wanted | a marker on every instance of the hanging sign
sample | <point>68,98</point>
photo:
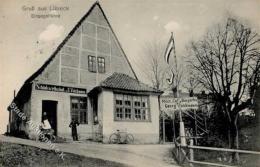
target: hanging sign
<point>169,103</point>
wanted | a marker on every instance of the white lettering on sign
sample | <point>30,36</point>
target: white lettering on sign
<point>57,88</point>
<point>169,103</point>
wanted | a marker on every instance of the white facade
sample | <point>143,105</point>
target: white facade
<point>143,132</point>
<point>88,56</point>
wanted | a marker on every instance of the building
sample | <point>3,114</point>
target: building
<point>89,78</point>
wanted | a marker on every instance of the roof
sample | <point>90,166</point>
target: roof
<point>124,82</point>
<point>47,62</point>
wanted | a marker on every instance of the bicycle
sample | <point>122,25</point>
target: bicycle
<point>47,135</point>
<point>121,138</point>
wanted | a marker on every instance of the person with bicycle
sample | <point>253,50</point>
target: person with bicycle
<point>46,126</point>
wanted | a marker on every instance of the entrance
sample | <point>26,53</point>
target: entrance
<point>168,126</point>
<point>50,107</point>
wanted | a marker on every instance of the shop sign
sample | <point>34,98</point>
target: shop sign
<point>57,88</point>
<point>169,103</point>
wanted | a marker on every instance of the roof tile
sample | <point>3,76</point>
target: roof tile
<point>125,82</point>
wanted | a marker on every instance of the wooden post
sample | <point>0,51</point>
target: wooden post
<point>182,134</point>
<point>196,126</point>
<point>163,127</point>
<point>191,152</point>
<point>163,115</point>
<point>173,126</point>
<point>182,130</point>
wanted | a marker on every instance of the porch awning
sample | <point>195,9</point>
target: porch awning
<point>123,82</point>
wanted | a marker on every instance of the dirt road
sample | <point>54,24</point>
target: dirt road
<point>134,155</point>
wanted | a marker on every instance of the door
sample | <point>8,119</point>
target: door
<point>95,109</point>
<point>50,107</point>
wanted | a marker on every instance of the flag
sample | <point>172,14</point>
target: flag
<point>169,49</point>
<point>170,80</point>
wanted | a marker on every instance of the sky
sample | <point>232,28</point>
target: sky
<point>27,42</point>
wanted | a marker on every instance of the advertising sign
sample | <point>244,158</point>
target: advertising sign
<point>57,88</point>
<point>169,103</point>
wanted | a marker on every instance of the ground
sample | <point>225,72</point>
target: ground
<point>131,155</point>
<point>27,156</point>
<point>246,160</point>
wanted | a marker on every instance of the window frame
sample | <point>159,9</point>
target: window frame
<point>101,61</point>
<point>78,111</point>
<point>126,97</point>
<point>92,67</point>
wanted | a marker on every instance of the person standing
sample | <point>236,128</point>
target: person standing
<point>46,126</point>
<point>73,125</point>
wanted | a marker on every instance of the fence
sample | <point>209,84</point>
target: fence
<point>182,155</point>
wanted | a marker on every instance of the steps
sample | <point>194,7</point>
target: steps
<point>195,120</point>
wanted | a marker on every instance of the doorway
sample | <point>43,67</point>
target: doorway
<point>50,107</point>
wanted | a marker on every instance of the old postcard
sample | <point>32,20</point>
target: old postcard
<point>129,83</point>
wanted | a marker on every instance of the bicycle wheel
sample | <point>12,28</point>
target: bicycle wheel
<point>53,138</point>
<point>129,138</point>
<point>113,139</point>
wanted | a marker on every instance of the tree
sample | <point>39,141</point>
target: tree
<point>157,71</point>
<point>191,83</point>
<point>227,63</point>
<point>153,64</point>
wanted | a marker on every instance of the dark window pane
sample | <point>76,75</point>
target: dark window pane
<point>127,113</point>
<point>83,117</point>
<point>119,113</point>
<point>128,103</point>
<point>92,63</point>
<point>137,103</point>
<point>79,109</point>
<point>137,114</point>
<point>144,114</point>
<point>83,105</point>
<point>101,64</point>
<point>119,102</point>
<point>74,105</point>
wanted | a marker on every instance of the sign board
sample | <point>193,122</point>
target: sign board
<point>169,103</point>
<point>57,88</point>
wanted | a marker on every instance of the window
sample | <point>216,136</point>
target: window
<point>119,108</point>
<point>127,107</point>
<point>128,114</point>
<point>79,109</point>
<point>92,63</point>
<point>130,107</point>
<point>138,114</point>
<point>101,65</point>
<point>119,113</point>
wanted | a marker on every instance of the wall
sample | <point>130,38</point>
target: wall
<point>69,67</point>
<point>63,113</point>
<point>16,123</point>
<point>93,37</point>
<point>27,113</point>
<point>143,132</point>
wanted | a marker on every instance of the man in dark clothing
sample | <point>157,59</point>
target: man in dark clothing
<point>73,125</point>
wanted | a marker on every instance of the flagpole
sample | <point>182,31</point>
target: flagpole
<point>182,128</point>
<point>170,47</point>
